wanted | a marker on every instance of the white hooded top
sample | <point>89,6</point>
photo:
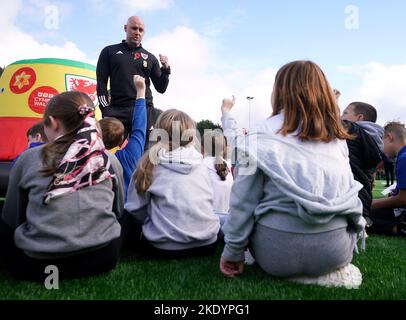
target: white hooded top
<point>177,209</point>
<point>288,185</point>
<point>222,189</point>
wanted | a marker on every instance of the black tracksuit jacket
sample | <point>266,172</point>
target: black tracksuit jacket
<point>120,63</point>
<point>365,156</point>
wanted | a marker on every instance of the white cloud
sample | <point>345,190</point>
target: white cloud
<point>192,88</point>
<point>218,25</point>
<point>10,10</point>
<point>355,70</point>
<point>199,79</point>
<point>383,86</point>
<point>260,88</point>
<point>144,5</point>
<point>17,44</point>
<point>197,85</point>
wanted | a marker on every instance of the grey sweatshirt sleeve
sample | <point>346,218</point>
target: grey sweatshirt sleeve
<point>230,128</point>
<point>118,185</point>
<point>245,195</point>
<point>15,206</point>
<point>137,203</point>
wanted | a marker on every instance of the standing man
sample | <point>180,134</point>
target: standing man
<point>120,62</point>
<point>389,167</point>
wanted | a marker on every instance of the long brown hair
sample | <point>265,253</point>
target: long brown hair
<point>178,130</point>
<point>63,107</point>
<point>302,91</point>
<point>215,145</point>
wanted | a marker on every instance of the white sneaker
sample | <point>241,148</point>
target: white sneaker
<point>349,277</point>
<point>249,259</point>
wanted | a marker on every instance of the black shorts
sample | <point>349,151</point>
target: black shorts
<point>125,115</point>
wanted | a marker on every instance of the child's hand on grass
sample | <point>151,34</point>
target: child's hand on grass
<point>231,268</point>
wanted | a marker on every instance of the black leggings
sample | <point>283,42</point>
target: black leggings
<point>389,173</point>
<point>148,249</point>
<point>22,267</point>
<point>384,221</point>
<point>133,240</point>
<point>125,115</point>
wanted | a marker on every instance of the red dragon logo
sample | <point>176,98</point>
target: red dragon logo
<point>83,84</point>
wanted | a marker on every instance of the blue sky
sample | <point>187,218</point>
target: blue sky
<point>238,45</point>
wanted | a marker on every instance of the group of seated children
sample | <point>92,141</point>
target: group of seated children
<point>295,201</point>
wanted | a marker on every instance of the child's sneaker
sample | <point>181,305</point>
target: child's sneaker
<point>249,259</point>
<point>401,228</point>
<point>349,277</point>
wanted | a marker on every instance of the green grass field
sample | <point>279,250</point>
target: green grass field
<point>383,266</point>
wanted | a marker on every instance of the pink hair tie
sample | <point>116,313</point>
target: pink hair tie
<point>84,109</point>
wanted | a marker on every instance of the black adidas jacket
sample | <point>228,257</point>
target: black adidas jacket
<point>120,63</point>
<point>365,156</point>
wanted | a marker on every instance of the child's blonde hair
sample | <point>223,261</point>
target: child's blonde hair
<point>397,128</point>
<point>173,129</point>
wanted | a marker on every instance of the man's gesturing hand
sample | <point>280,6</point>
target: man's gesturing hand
<point>164,61</point>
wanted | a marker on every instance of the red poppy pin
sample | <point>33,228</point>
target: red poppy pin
<point>137,55</point>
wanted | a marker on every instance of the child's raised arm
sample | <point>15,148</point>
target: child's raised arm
<point>139,83</point>
<point>229,124</point>
<point>227,105</point>
<point>131,154</point>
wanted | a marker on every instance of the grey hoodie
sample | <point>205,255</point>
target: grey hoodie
<point>76,222</point>
<point>177,209</point>
<point>374,130</point>
<point>289,185</point>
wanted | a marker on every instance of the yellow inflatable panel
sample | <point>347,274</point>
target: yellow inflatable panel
<point>26,86</point>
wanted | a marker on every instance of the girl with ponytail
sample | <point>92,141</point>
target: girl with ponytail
<point>64,198</point>
<point>214,149</point>
<point>171,194</point>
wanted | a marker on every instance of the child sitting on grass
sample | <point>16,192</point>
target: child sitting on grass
<point>389,214</point>
<point>294,201</point>
<point>63,199</point>
<point>171,193</point>
<point>365,147</point>
<point>214,149</point>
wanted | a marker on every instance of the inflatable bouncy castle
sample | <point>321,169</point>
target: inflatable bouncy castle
<point>25,88</point>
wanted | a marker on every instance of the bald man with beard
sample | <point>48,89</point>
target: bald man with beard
<point>120,62</point>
